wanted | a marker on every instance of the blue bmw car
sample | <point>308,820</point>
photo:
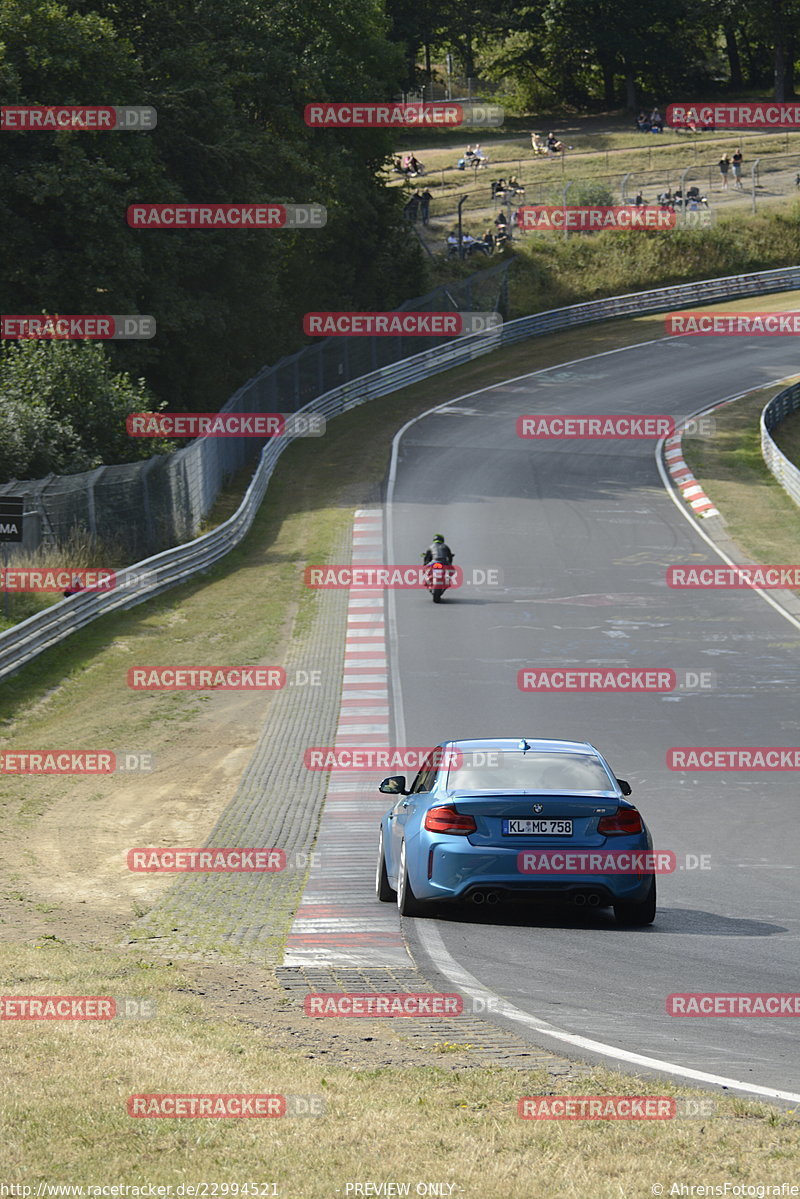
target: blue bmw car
<point>501,819</point>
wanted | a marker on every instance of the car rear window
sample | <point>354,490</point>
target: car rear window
<point>492,770</point>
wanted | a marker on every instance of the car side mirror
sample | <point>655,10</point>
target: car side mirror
<point>395,785</point>
<point>624,787</point>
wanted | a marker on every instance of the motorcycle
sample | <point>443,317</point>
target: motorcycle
<point>437,579</point>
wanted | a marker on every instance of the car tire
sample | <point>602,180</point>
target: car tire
<point>638,913</point>
<point>407,902</point>
<point>382,889</point>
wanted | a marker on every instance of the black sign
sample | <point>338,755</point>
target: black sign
<point>11,518</point>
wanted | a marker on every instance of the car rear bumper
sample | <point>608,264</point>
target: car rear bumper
<point>459,870</point>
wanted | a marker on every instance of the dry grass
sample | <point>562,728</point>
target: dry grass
<point>63,1103</point>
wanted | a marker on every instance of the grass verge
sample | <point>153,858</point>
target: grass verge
<point>761,517</point>
<point>63,1113</point>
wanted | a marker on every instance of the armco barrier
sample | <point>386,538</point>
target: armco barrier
<point>156,574</point>
<point>779,407</point>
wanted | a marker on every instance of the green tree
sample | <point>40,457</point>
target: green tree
<point>63,410</point>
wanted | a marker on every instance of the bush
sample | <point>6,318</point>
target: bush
<point>63,409</point>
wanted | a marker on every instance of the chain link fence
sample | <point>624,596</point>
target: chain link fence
<point>141,508</point>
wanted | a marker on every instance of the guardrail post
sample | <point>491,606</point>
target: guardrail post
<point>684,208</point>
<point>753,173</point>
<point>566,192</point>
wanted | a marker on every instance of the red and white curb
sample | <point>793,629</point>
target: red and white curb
<point>683,478</point>
<point>339,921</point>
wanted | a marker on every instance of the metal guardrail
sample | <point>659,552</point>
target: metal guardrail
<point>779,407</point>
<point>154,575</point>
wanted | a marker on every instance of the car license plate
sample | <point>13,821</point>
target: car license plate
<point>537,828</point>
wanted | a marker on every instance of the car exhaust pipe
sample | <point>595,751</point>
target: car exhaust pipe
<point>478,897</point>
<point>492,897</point>
<point>579,899</point>
<point>593,900</point>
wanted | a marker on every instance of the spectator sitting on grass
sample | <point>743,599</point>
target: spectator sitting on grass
<point>656,122</point>
<point>554,146</point>
<point>536,144</point>
<point>642,123</point>
<point>514,187</point>
<point>479,159</point>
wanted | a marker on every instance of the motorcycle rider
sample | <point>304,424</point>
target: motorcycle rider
<point>438,551</point>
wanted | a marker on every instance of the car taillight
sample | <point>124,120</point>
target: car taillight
<point>626,820</point>
<point>448,820</point>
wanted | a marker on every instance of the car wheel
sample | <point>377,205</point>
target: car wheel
<point>382,889</point>
<point>407,902</point>
<point>639,913</point>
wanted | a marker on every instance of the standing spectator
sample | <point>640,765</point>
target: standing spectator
<point>736,163</point>
<point>425,206</point>
<point>724,167</point>
<point>412,207</point>
<point>639,201</point>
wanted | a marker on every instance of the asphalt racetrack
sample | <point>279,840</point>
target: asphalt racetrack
<point>582,532</point>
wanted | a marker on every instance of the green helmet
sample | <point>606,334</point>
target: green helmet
<point>438,537</point>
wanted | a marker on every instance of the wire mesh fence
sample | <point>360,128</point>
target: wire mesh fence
<point>144,507</point>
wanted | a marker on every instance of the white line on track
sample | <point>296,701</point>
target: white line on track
<point>428,934</point>
<point>434,946</point>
